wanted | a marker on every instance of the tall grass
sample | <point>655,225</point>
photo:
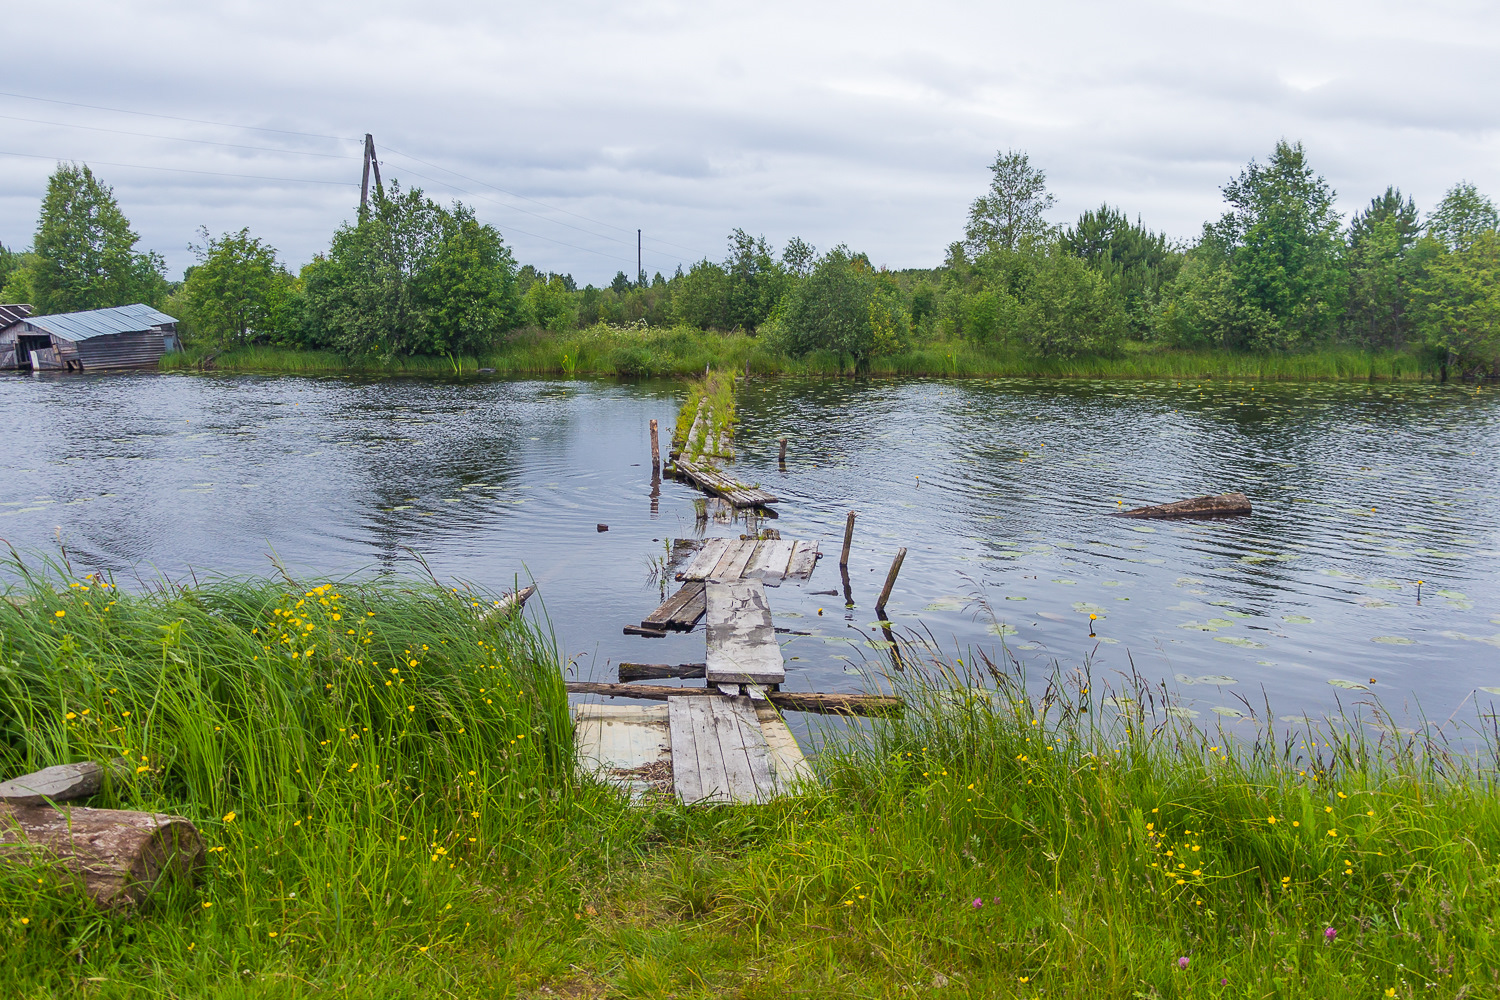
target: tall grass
<point>678,351</point>
<point>393,811</point>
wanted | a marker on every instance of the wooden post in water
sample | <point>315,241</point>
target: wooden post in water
<point>848,538</point>
<point>782,458</point>
<point>655,447</point>
<point>890,581</point>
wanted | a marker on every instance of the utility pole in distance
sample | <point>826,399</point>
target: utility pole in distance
<point>364,184</point>
<point>640,272</point>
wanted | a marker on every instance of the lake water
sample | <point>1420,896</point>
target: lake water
<point>998,488</point>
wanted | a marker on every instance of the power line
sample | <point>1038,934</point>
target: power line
<point>183,170</point>
<point>176,138</point>
<point>178,118</point>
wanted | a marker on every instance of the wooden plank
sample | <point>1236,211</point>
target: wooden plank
<point>741,641</point>
<point>705,560</point>
<point>658,619</point>
<point>735,568</point>
<point>804,561</point>
<point>789,768</point>
<point>688,616</point>
<point>770,561</point>
<point>686,779</point>
<point>746,780</point>
<point>716,572</point>
<point>787,701</point>
<point>649,633</point>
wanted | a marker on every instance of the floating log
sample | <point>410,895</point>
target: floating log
<point>1223,505</point>
<point>848,538</point>
<point>660,671</point>
<point>823,704</point>
<point>121,857</point>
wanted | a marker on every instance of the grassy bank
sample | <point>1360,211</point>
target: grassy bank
<point>634,352</point>
<point>385,782</point>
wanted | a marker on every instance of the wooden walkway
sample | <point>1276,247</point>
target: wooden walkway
<point>742,646</point>
<point>717,484</point>
<point>636,747</point>
<point>725,560</point>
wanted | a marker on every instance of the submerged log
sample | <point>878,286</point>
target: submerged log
<point>120,857</point>
<point>658,671</point>
<point>1223,505</point>
<point>823,704</point>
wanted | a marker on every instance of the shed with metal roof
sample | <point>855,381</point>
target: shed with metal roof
<point>134,336</point>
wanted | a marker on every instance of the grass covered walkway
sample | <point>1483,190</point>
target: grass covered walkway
<point>384,778</point>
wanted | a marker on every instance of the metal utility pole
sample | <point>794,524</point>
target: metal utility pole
<point>364,184</point>
<point>640,272</point>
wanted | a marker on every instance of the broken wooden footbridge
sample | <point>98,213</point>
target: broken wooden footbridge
<point>721,739</point>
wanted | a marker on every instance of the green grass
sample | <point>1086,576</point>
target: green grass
<point>678,351</point>
<point>1067,826</point>
<point>712,395</point>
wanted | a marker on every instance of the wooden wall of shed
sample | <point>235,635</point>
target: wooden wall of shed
<point>120,350</point>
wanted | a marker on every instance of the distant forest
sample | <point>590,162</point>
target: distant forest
<point>1279,271</point>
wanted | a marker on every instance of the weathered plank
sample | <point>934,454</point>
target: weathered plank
<point>687,781</point>
<point>649,633</point>
<point>712,482</point>
<point>626,745</point>
<point>742,750</point>
<point>804,560</point>
<point>793,701</point>
<point>721,569</point>
<point>688,615</point>
<point>770,561</point>
<point>705,560</point>
<point>659,671</point>
<point>734,569</point>
<point>741,641</point>
<point>663,615</point>
<point>1223,505</point>
<point>789,768</point>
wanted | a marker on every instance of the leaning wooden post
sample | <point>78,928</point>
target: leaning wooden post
<point>782,458</point>
<point>655,447</point>
<point>890,581</point>
<point>848,538</point>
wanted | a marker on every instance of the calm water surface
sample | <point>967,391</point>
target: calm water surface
<point>998,488</point>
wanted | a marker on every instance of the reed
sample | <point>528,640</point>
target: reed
<point>394,811</point>
<point>679,351</point>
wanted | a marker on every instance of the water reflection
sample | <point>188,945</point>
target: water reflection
<point>997,488</point>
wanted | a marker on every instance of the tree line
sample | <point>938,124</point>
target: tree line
<point>1279,271</point>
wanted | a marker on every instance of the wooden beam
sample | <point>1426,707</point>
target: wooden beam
<point>822,704</point>
<point>659,671</point>
<point>742,646</point>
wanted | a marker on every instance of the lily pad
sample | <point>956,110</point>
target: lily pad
<point>1121,703</point>
<point>1241,641</point>
<point>1373,602</point>
<point>1303,720</point>
<point>1182,713</point>
<point>1227,712</point>
<point>947,604</point>
<point>1013,597</point>
<point>854,671</point>
<point>1086,608</point>
<point>1348,685</point>
<point>1393,640</point>
<point>1001,629</point>
<point>1066,583</point>
<point>1297,619</point>
<point>1218,679</point>
<point>880,644</point>
<point>1199,627</point>
<point>1489,690</point>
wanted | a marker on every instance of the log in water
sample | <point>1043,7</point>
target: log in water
<point>1223,505</point>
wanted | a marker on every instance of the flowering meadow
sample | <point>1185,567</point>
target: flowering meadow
<point>383,774</point>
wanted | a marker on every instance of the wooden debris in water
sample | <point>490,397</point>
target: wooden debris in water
<point>660,671</point>
<point>1223,505</point>
<point>678,613</point>
<point>770,560</point>
<point>710,481</point>
<point>818,703</point>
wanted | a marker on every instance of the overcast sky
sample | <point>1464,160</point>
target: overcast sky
<point>569,125</point>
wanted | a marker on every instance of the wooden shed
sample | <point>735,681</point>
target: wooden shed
<point>9,316</point>
<point>134,336</point>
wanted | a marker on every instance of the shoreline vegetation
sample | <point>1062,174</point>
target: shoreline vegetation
<point>647,352</point>
<point>385,779</point>
<point>1281,285</point>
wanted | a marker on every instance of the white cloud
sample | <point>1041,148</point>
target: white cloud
<point>870,124</point>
